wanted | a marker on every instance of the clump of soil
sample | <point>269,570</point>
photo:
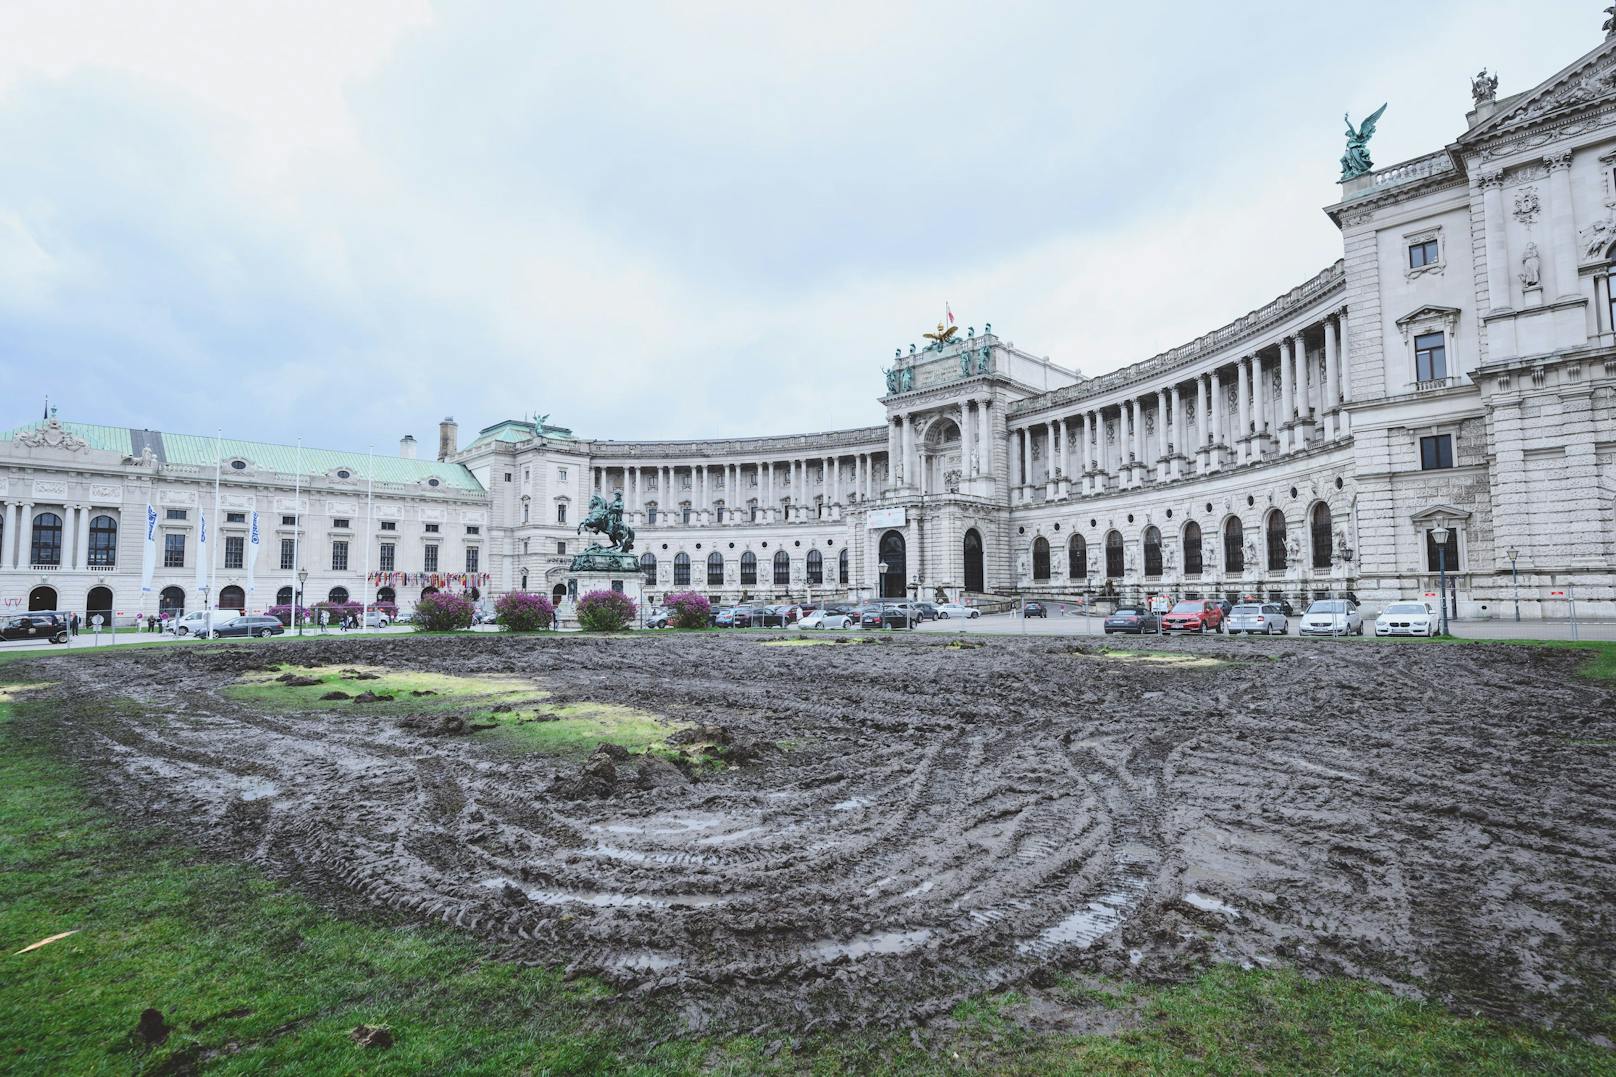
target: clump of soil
<point>359,675</point>
<point>297,680</point>
<point>372,697</point>
<point>945,822</point>
<point>152,1028</point>
<point>371,1036</point>
<point>335,694</point>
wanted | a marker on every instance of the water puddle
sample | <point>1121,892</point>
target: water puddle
<point>1211,904</point>
<point>258,790</point>
<point>871,944</point>
<point>604,899</point>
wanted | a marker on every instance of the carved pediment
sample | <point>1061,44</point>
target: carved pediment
<point>1589,80</point>
<point>51,436</point>
<point>1440,512</point>
<point>1429,314</point>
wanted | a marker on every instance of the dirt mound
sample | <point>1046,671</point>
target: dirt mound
<point>918,823</point>
<point>442,725</point>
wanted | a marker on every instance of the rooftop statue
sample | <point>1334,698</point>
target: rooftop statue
<point>1355,162</point>
<point>1484,87</point>
<point>1610,22</point>
<point>892,381</point>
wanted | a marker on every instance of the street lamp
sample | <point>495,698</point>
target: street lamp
<point>1439,535</point>
<point>881,580</point>
<point>297,603</point>
<point>1512,553</point>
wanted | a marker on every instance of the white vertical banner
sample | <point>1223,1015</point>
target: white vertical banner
<point>252,552</point>
<point>148,552</point>
<point>201,550</point>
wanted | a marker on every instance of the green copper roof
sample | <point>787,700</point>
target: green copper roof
<point>197,450</point>
<point>516,430</point>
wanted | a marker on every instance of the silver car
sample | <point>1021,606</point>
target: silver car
<point>1332,617</point>
<point>1264,618</point>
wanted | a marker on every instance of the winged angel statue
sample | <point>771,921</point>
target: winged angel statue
<point>1356,162</point>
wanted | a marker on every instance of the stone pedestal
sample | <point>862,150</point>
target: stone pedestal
<point>601,569</point>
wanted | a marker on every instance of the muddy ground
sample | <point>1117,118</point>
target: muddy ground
<point>920,823</point>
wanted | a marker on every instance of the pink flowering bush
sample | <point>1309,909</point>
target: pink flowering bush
<point>606,611</point>
<point>689,610</point>
<point>442,612</point>
<point>524,611</point>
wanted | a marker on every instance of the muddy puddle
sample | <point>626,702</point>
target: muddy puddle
<point>914,823</point>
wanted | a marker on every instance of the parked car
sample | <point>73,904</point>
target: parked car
<point>377,619</point>
<point>257,625</point>
<point>656,617</point>
<point>32,627</point>
<point>1265,618</point>
<point>780,616</point>
<point>887,615</point>
<point>725,617</point>
<point>825,619</point>
<point>926,611</point>
<point>1133,619</point>
<point>1035,609</point>
<point>191,623</point>
<point>1194,615</point>
<point>1332,617</point>
<point>954,609</point>
<point>1407,619</point>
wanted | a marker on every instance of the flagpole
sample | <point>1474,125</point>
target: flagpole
<point>370,505</point>
<point>213,542</point>
<point>297,531</point>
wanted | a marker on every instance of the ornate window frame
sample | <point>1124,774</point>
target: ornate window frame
<point>1425,235</point>
<point>1430,319</point>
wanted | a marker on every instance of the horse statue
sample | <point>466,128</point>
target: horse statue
<point>606,518</point>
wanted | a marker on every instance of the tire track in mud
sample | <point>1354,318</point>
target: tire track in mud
<point>946,820</point>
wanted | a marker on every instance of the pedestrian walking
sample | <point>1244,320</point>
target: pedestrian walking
<point>73,624</point>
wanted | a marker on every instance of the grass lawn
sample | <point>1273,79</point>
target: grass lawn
<point>252,978</point>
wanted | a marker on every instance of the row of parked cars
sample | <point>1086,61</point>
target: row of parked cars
<point>1323,617</point>
<point>895,613</point>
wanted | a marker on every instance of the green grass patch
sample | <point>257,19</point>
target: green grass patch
<point>1164,658</point>
<point>576,728</point>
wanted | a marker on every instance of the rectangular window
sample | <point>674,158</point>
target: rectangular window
<point>561,513</point>
<point>474,529</point>
<point>389,525</point>
<point>561,474</point>
<point>507,476</point>
<point>288,554</point>
<point>650,514</point>
<point>561,547</point>
<point>429,559</point>
<point>235,517</point>
<point>339,523</point>
<point>471,558</point>
<point>339,557</point>
<point>173,551</point>
<point>684,514</point>
<point>235,548</point>
<point>288,521</point>
<point>1436,452</point>
<point>720,514</point>
<point>1430,357</point>
<point>387,557</point>
<point>175,514</point>
<point>432,529</point>
<point>1439,557</point>
<point>1422,254</point>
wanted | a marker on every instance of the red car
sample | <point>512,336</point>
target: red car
<point>1194,615</point>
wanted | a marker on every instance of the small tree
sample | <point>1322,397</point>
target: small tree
<point>606,611</point>
<point>524,611</point>
<point>690,610</point>
<point>441,612</point>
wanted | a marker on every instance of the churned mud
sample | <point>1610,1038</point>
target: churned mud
<point>873,832</point>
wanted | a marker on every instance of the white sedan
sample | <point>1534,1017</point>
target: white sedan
<point>1332,617</point>
<point>954,609</point>
<point>825,619</point>
<point>1406,619</point>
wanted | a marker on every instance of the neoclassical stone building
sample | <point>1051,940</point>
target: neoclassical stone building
<point>1455,372</point>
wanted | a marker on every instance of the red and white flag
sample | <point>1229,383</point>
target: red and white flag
<point>949,311</point>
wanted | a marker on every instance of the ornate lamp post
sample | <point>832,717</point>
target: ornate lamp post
<point>881,580</point>
<point>1439,535</point>
<point>1512,553</point>
<point>297,602</point>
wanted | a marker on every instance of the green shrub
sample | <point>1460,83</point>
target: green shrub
<point>606,611</point>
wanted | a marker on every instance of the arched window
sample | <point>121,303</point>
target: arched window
<point>1113,555</point>
<point>233,598</point>
<point>715,569</point>
<point>648,568</point>
<point>749,569</point>
<point>1275,530</point>
<point>816,567</point>
<point>841,567</point>
<point>782,568</point>
<point>1322,527</point>
<point>389,596</point>
<point>337,595</point>
<point>1192,549</point>
<point>47,544</point>
<point>171,600</point>
<point>681,570</point>
<point>283,597</point>
<point>974,570</point>
<point>1040,558</point>
<point>1234,548</point>
<point>1153,557</point>
<point>103,542</point>
<point>1077,558</point>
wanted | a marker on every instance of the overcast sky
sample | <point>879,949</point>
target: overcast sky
<point>346,220</point>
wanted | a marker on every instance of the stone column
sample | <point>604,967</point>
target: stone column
<point>1160,452</point>
<point>81,559</point>
<point>1049,452</point>
<point>25,534</point>
<point>1260,402</point>
<point>984,423</point>
<point>1203,427</point>
<point>1304,383</point>
<point>1242,387</point>
<point>8,537</point>
<point>1332,381</point>
<point>911,452</point>
<point>1287,399</point>
<point>70,535</point>
<point>1562,225</point>
<point>1177,468</point>
<point>1220,422</point>
<point>1499,289</point>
